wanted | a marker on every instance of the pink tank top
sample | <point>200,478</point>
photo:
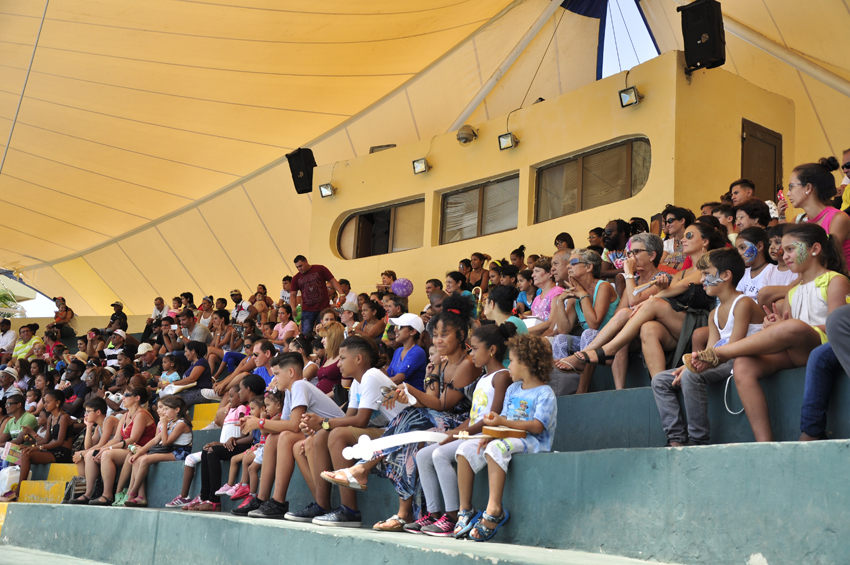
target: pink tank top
<point>826,217</point>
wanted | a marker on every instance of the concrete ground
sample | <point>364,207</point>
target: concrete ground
<point>17,556</point>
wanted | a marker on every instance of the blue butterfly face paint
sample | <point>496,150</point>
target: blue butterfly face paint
<point>750,251</point>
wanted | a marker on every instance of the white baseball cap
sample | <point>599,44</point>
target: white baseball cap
<point>409,320</point>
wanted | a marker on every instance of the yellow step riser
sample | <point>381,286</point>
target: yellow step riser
<point>3,507</point>
<point>61,472</point>
<point>204,412</point>
<point>42,492</point>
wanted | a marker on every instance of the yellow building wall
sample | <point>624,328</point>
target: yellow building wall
<point>689,166</point>
<point>709,110</point>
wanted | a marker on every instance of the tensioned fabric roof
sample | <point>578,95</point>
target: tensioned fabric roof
<point>125,173</point>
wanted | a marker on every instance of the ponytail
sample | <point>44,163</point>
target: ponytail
<point>498,335</point>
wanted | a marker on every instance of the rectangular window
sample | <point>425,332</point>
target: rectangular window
<point>481,210</point>
<point>381,231</point>
<point>592,179</point>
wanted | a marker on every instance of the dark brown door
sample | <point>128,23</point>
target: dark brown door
<point>761,159</point>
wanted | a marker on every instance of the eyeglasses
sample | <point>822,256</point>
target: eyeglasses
<point>577,262</point>
<point>255,355</point>
<point>633,252</point>
<point>609,232</point>
<point>669,220</point>
<point>128,394</point>
<point>846,165</point>
<point>689,235</point>
<point>793,184</point>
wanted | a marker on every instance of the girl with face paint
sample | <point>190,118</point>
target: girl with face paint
<point>792,328</point>
<point>753,245</point>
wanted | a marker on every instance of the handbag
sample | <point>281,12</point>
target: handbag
<point>174,389</point>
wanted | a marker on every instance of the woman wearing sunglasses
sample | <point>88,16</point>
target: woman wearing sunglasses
<point>587,301</point>
<point>659,322</point>
<point>676,221</point>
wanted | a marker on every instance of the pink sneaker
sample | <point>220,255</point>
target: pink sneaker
<point>241,491</point>
<point>223,490</point>
<point>248,500</point>
<point>178,502</point>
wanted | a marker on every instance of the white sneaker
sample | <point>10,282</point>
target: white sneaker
<point>210,394</point>
<point>211,426</point>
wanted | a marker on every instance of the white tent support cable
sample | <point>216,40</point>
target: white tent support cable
<point>24,87</point>
<point>802,64</point>
<point>494,79</point>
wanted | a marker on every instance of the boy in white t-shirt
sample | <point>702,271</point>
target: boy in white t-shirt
<point>366,415</point>
<point>278,458</point>
<point>284,293</point>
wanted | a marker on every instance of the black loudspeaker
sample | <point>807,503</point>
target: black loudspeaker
<point>301,165</point>
<point>705,39</point>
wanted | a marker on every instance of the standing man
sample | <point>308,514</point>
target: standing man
<point>159,312</point>
<point>310,282</point>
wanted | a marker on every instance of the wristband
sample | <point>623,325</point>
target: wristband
<point>262,423</point>
<point>632,277</point>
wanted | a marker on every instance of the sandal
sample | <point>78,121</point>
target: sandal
<point>206,506</point>
<point>399,527</point>
<point>101,501</point>
<point>560,363</point>
<point>485,533</point>
<point>466,519</point>
<point>348,482</point>
<point>192,503</point>
<point>707,356</point>
<point>80,500</point>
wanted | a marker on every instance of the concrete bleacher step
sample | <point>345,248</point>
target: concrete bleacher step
<point>169,537</point>
<point>42,492</point>
<point>743,503</point>
<point>22,556</point>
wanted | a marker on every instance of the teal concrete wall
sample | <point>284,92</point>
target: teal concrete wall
<point>697,505</point>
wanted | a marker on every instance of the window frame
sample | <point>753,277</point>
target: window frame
<point>579,158</point>
<point>479,187</point>
<point>354,217</point>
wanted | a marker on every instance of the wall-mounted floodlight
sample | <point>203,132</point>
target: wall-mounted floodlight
<point>420,166</point>
<point>327,190</point>
<point>507,141</point>
<point>630,96</point>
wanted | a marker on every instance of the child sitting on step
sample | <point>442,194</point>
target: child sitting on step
<point>252,460</point>
<point>529,406</point>
<point>737,317</point>
<point>173,442</point>
<point>233,410</point>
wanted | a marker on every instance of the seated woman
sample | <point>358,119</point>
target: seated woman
<point>456,282</point>
<point>588,302</point>
<point>373,325</point>
<point>791,330</point>
<point>136,427</point>
<point>222,335</point>
<point>55,447</point>
<point>198,373</point>
<point>542,277</point>
<point>285,327</point>
<point>409,359</point>
<point>812,188</point>
<point>660,321</point>
<point>328,374</point>
<point>205,312</point>
<point>387,280</point>
<point>95,344</point>
<point>444,405</point>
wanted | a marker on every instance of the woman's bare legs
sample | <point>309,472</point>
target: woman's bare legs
<point>748,371</point>
<point>655,339</point>
<point>109,461</point>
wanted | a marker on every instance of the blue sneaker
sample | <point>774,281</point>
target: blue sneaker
<point>313,510</point>
<point>340,517</point>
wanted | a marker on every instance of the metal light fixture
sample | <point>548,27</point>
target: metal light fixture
<point>420,166</point>
<point>630,96</point>
<point>327,190</point>
<point>507,141</point>
<point>466,135</point>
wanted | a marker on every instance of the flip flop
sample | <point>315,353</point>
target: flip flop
<point>399,527</point>
<point>349,482</point>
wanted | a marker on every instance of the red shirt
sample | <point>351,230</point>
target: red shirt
<point>314,291</point>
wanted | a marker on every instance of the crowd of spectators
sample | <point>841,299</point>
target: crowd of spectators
<point>736,290</point>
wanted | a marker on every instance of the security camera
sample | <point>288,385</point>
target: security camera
<point>466,134</point>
